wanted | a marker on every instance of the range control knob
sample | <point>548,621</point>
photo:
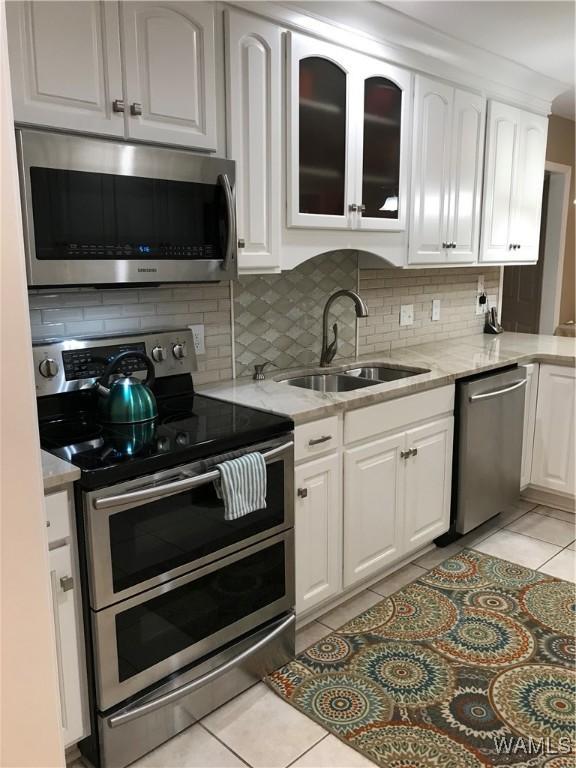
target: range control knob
<point>179,350</point>
<point>48,368</point>
<point>158,354</point>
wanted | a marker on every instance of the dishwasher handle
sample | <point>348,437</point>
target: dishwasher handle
<point>498,392</point>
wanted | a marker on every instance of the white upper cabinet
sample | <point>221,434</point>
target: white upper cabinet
<point>382,94</point>
<point>347,120</point>
<point>170,72</point>
<point>513,184</point>
<point>447,142</point>
<point>254,109</point>
<point>65,65</point>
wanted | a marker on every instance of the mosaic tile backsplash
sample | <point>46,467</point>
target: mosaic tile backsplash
<point>278,317</point>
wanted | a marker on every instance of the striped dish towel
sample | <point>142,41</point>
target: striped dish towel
<point>242,485</point>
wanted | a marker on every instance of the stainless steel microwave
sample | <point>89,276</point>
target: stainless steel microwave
<point>101,212</point>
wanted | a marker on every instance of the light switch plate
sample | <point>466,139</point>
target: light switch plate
<point>435,309</point>
<point>198,335</point>
<point>406,314</point>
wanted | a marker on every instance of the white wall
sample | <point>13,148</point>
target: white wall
<point>30,732</point>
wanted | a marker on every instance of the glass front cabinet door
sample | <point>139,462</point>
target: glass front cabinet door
<point>348,119</point>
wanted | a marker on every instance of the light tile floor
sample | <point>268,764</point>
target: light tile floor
<point>260,730</point>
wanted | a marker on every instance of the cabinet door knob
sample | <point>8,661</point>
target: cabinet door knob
<point>353,207</point>
<point>444,245</point>
<point>241,243</point>
<point>135,108</point>
<point>362,208</point>
<point>452,245</point>
<point>67,583</point>
<point>118,105</point>
<point>404,454</point>
<point>302,492</point>
<point>414,451</point>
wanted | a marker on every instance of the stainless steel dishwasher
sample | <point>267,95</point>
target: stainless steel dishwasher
<point>488,448</point>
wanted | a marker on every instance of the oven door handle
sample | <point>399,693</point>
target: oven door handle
<point>132,713</point>
<point>169,489</point>
<point>231,240</point>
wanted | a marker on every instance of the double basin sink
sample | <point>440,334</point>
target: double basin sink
<point>353,378</point>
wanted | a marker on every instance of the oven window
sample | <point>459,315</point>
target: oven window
<point>80,215</point>
<point>170,623</point>
<point>156,537</point>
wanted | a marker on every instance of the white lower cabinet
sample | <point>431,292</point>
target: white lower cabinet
<point>427,483</point>
<point>531,394</point>
<point>372,507</point>
<point>554,459</point>
<point>318,526</point>
<point>67,610</point>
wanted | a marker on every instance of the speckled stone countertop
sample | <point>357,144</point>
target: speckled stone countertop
<point>57,472</point>
<point>446,361</point>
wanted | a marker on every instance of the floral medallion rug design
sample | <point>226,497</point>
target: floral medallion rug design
<point>472,665</point>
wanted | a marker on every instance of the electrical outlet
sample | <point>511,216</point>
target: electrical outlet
<point>481,309</point>
<point>406,314</point>
<point>435,309</point>
<point>198,336</point>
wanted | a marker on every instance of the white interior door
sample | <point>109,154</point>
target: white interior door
<point>373,505</point>
<point>321,144</point>
<point>430,171</point>
<point>254,92</point>
<point>427,483</point>
<point>467,156</point>
<point>65,65</point>
<point>382,117</point>
<point>318,531</point>
<point>527,212</point>
<point>170,72</point>
<point>554,460</point>
<point>500,172</point>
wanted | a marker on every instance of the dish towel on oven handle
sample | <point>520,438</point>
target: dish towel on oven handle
<point>242,485</point>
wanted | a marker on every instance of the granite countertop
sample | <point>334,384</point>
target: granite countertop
<point>446,361</point>
<point>57,472</point>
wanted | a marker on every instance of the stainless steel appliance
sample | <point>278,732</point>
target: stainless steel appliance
<point>183,608</point>
<point>103,212</point>
<point>488,449</point>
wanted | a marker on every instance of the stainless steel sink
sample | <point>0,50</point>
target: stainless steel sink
<point>377,373</point>
<point>330,382</point>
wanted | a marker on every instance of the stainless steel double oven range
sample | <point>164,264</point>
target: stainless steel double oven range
<point>183,608</point>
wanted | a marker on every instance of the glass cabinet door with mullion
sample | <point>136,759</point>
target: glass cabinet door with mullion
<point>384,105</point>
<point>319,172</point>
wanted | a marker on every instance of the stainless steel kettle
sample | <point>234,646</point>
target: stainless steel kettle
<point>127,400</point>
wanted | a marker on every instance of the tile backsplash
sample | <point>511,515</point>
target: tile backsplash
<point>385,290</point>
<point>277,317</point>
<point>93,311</point>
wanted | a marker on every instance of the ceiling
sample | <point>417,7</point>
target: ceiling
<point>537,34</point>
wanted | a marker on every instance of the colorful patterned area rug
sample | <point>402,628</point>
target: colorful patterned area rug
<point>472,665</point>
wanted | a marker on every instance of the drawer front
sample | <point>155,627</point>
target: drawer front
<point>57,516</point>
<point>316,437</point>
<point>394,414</point>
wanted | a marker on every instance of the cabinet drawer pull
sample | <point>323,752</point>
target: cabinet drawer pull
<point>66,583</point>
<point>302,492</point>
<point>414,451</point>
<point>118,105</point>
<point>318,440</point>
<point>136,109</point>
<point>47,523</point>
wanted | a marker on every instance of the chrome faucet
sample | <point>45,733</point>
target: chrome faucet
<point>329,350</point>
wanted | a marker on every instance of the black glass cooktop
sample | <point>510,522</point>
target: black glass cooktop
<point>188,427</point>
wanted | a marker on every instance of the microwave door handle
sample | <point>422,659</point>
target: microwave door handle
<point>131,713</point>
<point>169,489</point>
<point>224,182</point>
